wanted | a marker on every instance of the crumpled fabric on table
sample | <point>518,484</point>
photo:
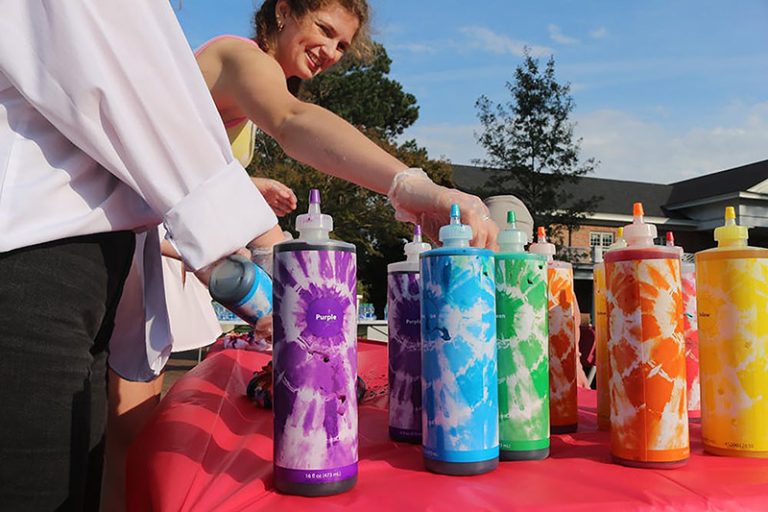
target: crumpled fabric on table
<point>245,341</point>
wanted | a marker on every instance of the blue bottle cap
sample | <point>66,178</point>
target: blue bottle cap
<point>455,234</point>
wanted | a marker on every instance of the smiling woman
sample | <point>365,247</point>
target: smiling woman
<point>328,17</point>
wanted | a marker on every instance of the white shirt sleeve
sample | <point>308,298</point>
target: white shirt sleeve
<point>118,79</point>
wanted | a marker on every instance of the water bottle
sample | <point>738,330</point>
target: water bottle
<point>242,287</point>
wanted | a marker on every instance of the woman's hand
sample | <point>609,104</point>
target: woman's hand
<point>278,196</point>
<point>417,199</point>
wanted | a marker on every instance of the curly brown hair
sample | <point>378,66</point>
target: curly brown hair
<point>265,23</point>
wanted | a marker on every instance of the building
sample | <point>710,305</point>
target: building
<point>691,209</point>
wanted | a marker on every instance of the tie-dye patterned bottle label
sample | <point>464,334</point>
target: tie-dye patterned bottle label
<point>459,376</point>
<point>404,324</point>
<point>315,364</point>
<point>601,347</point>
<point>732,288</point>
<point>649,419</point>
<point>522,331</point>
<point>691,333</point>
<point>562,349</point>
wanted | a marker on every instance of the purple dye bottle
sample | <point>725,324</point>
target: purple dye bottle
<point>404,346</point>
<point>315,359</point>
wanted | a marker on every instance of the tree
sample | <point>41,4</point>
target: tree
<point>529,141</point>
<point>362,94</point>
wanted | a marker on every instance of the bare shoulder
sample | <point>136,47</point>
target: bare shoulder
<point>242,58</point>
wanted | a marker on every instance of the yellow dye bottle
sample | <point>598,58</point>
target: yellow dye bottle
<point>732,301</point>
<point>601,337</point>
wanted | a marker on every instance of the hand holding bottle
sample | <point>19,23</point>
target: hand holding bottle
<point>417,199</point>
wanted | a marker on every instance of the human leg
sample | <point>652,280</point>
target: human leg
<point>131,404</point>
<point>57,303</point>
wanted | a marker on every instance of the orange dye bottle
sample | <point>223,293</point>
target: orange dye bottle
<point>649,423</point>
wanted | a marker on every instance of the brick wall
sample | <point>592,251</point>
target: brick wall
<point>580,237</point>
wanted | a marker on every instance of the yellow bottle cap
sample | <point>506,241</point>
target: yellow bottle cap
<point>731,233</point>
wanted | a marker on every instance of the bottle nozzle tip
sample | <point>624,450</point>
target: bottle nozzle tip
<point>637,210</point>
<point>730,213</point>
<point>314,196</point>
<point>541,233</point>
<point>511,217</point>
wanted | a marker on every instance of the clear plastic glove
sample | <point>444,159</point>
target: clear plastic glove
<point>204,274</point>
<point>417,199</point>
<point>263,256</point>
<point>279,197</point>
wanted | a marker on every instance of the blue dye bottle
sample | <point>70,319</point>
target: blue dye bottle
<point>242,287</point>
<point>458,357</point>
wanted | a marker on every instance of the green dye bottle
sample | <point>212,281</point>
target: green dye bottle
<point>522,328</point>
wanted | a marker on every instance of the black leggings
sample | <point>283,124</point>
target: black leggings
<point>57,308</point>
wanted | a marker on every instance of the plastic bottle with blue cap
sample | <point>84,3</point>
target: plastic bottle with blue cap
<point>732,298</point>
<point>649,420</point>
<point>242,287</point>
<point>459,374</point>
<point>522,332</point>
<point>404,346</point>
<point>315,359</point>
<point>563,352</point>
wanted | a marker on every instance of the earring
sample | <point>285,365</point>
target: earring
<point>280,25</point>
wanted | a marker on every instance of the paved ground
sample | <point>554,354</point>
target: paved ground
<point>178,365</point>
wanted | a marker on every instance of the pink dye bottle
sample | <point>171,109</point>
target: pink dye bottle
<point>690,331</point>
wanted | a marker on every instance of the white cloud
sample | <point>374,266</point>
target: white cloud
<point>413,47</point>
<point>630,148</point>
<point>556,34</point>
<point>637,150</point>
<point>486,39</point>
<point>455,142</point>
<point>598,33</point>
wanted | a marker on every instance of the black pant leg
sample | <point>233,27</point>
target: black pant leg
<point>57,303</point>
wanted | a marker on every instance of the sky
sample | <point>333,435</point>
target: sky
<point>664,90</point>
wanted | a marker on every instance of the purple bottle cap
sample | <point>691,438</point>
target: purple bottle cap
<point>417,230</point>
<point>314,196</point>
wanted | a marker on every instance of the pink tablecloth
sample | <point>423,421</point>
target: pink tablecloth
<point>209,449</point>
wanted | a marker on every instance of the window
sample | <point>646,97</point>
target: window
<point>600,238</point>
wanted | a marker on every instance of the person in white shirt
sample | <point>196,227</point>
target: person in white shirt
<point>106,129</point>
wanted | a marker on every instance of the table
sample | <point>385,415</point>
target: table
<point>209,449</point>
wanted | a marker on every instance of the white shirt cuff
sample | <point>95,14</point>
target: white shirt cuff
<point>218,217</point>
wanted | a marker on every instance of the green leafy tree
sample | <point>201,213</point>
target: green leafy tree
<point>362,94</point>
<point>529,142</point>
